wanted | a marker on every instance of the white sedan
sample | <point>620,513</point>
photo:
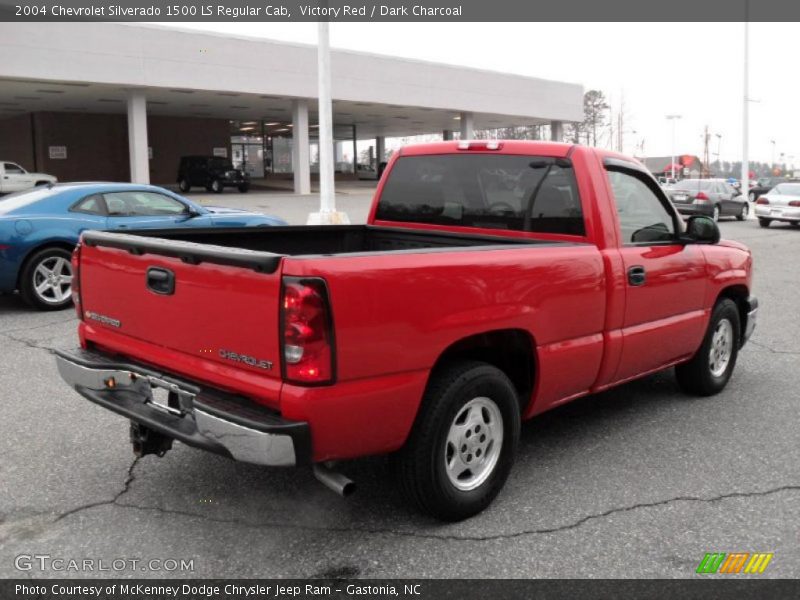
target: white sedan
<point>14,178</point>
<point>782,203</point>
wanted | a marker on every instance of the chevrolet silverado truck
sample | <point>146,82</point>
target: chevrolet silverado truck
<point>493,281</point>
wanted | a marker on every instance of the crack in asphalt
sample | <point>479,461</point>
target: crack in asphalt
<point>126,486</point>
<point>29,343</point>
<point>772,350</point>
<point>460,538</point>
<point>50,324</point>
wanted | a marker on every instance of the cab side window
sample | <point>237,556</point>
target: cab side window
<point>92,205</point>
<point>643,218</point>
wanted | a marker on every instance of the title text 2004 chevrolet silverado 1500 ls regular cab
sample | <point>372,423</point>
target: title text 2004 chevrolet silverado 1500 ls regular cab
<point>493,281</point>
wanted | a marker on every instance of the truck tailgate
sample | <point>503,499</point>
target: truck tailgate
<point>217,305</point>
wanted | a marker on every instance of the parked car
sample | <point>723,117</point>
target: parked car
<point>781,203</point>
<point>764,185</point>
<point>493,281</point>
<point>713,198</point>
<point>14,178</point>
<point>212,173</point>
<point>40,227</point>
<point>667,181</point>
<point>366,172</point>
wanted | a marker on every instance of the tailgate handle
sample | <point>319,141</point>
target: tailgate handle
<point>160,281</point>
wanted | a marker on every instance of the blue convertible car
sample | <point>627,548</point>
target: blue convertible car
<point>40,227</point>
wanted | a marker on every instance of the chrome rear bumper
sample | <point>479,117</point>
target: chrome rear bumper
<point>205,418</point>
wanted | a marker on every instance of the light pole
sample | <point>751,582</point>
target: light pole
<point>745,104</point>
<point>327,214</point>
<point>719,148</point>
<point>772,163</point>
<point>673,118</point>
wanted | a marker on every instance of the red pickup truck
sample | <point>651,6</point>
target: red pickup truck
<point>493,281</point>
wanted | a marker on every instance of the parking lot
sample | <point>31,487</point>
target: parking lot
<point>640,481</point>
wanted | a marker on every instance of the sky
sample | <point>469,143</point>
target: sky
<point>691,69</point>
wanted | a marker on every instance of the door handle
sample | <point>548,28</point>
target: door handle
<point>637,275</point>
<point>161,281</point>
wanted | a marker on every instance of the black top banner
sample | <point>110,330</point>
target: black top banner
<point>400,11</point>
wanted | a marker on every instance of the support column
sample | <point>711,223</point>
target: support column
<point>447,135</point>
<point>137,137</point>
<point>301,153</point>
<point>355,152</point>
<point>556,131</point>
<point>467,125</point>
<point>380,151</point>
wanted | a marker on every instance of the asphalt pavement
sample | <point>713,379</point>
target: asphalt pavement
<point>640,481</point>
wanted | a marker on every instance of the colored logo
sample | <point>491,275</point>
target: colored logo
<point>734,562</point>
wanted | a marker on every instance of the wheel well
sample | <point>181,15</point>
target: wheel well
<point>510,350</point>
<point>739,294</point>
<point>63,245</point>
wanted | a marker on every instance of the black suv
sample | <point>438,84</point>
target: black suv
<point>211,172</point>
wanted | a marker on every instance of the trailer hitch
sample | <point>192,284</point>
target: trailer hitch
<point>147,441</point>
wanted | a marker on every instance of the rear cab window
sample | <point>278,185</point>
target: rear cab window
<point>535,194</point>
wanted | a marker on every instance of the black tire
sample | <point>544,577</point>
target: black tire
<point>743,213</point>
<point>794,223</point>
<point>217,187</point>
<point>764,222</point>
<point>244,188</point>
<point>184,185</point>
<point>421,467</point>
<point>29,278</point>
<point>717,212</point>
<point>696,377</point>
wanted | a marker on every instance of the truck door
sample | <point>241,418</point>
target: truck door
<point>665,279</point>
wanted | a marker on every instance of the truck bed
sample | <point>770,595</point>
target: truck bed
<point>325,240</point>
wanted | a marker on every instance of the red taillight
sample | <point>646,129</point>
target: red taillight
<point>701,196</point>
<point>762,201</point>
<point>487,145</point>
<point>794,203</point>
<point>307,331</point>
<point>76,281</point>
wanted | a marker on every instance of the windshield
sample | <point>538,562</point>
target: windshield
<point>789,189</point>
<point>524,193</point>
<point>24,198</point>
<point>693,185</point>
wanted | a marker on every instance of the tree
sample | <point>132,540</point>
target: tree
<point>594,113</point>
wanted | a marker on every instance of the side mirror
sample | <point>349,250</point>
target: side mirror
<point>701,230</point>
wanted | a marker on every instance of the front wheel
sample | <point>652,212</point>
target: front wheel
<point>184,185</point>
<point>244,188</point>
<point>742,213</point>
<point>716,214</point>
<point>751,196</point>
<point>46,282</point>
<point>462,446</point>
<point>764,222</point>
<point>709,370</point>
<point>217,187</point>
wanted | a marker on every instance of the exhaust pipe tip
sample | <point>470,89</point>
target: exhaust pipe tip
<point>341,484</point>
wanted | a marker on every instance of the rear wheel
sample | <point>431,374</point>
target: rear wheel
<point>764,222</point>
<point>716,213</point>
<point>184,185</point>
<point>217,187</point>
<point>709,370</point>
<point>751,196</point>
<point>794,223</point>
<point>462,446</point>
<point>46,281</point>
<point>244,188</point>
<point>743,213</point>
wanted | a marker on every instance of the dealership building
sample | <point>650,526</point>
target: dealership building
<point>120,102</point>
